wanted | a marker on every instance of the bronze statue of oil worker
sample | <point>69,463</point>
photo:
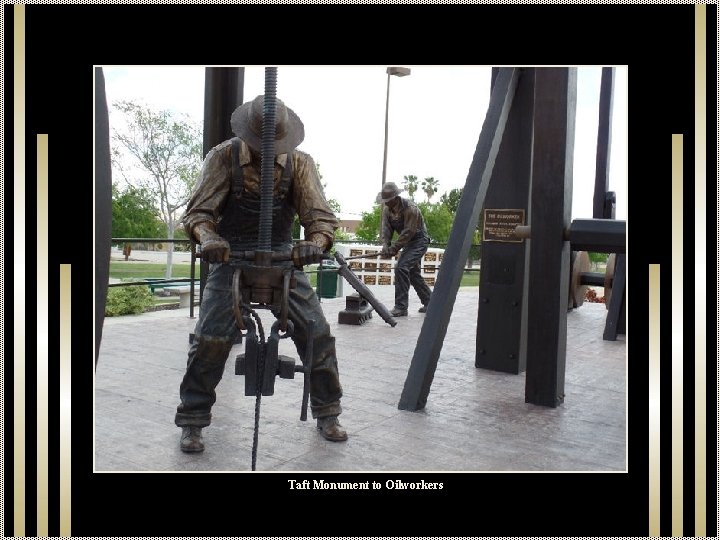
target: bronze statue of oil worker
<point>402,216</point>
<point>223,216</point>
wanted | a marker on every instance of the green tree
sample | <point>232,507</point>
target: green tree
<point>451,199</point>
<point>410,184</point>
<point>181,234</point>
<point>438,221</point>
<point>430,187</point>
<point>597,258</point>
<point>332,203</point>
<point>339,236</point>
<point>164,155</point>
<point>369,227</point>
<point>133,215</point>
<point>334,206</point>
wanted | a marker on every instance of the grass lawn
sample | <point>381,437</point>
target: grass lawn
<point>133,271</point>
<point>136,271</point>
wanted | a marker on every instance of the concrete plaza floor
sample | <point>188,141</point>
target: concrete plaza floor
<point>474,420</point>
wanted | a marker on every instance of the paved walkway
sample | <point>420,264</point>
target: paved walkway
<point>475,420</point>
<point>146,256</point>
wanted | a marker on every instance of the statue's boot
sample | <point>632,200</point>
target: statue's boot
<point>331,429</point>
<point>191,439</point>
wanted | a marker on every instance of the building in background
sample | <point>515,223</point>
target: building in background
<point>349,223</point>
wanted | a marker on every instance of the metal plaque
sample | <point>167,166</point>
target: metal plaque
<point>499,225</point>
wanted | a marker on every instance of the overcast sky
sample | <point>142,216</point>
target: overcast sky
<point>436,114</point>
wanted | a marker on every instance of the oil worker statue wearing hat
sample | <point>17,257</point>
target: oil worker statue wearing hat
<point>402,216</point>
<point>223,215</point>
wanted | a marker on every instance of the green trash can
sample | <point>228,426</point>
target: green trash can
<point>329,282</point>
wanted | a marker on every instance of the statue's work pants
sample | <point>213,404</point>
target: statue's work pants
<point>216,332</point>
<point>407,272</point>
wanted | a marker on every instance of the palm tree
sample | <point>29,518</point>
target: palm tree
<point>410,184</point>
<point>429,186</point>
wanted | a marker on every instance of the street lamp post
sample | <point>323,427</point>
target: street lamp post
<point>400,72</point>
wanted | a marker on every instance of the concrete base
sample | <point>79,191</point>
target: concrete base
<point>183,291</point>
<point>357,310</point>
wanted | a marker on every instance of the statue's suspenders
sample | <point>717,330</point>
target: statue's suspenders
<point>237,174</point>
<point>287,177</point>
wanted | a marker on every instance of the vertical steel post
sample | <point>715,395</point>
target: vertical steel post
<point>399,72</point>
<point>548,265</point>
<point>103,205</point>
<point>615,321</point>
<point>223,94</point>
<point>500,323</point>
<point>385,146</point>
<point>603,206</point>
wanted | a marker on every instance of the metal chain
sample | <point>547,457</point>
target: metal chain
<point>258,386</point>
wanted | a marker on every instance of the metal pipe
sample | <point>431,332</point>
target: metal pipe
<point>400,72</point>
<point>596,235</point>
<point>387,108</point>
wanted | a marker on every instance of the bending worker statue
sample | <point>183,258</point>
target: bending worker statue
<point>402,216</point>
<point>223,216</point>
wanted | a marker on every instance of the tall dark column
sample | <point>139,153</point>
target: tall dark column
<point>604,201</point>
<point>548,265</point>
<point>103,205</point>
<point>499,338</point>
<point>615,321</point>
<point>223,94</point>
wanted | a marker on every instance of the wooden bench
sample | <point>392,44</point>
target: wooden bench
<point>162,283</point>
<point>181,289</point>
<point>153,284</point>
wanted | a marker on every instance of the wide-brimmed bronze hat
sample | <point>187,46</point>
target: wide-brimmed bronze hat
<point>247,123</point>
<point>389,192</point>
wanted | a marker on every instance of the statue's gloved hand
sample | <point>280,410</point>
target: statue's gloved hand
<point>214,248</point>
<point>306,252</point>
<point>387,252</point>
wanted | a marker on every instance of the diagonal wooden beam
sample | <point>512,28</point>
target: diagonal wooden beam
<point>429,343</point>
